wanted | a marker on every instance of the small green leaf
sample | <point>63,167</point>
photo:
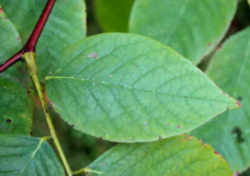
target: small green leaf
<point>27,156</point>
<point>191,27</point>
<point>229,133</point>
<point>178,156</point>
<point>127,88</point>
<point>15,107</point>
<point>66,25</point>
<point>113,15</point>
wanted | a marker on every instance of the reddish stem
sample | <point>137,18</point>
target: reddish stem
<point>11,61</point>
<point>30,46</point>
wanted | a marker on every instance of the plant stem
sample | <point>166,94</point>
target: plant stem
<point>32,42</point>
<point>11,61</point>
<point>86,170</point>
<point>30,46</point>
<point>29,57</point>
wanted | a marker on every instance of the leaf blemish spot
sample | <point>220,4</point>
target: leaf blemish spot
<point>8,120</point>
<point>238,103</point>
<point>238,132</point>
<point>179,126</point>
<point>28,91</point>
<point>188,137</point>
<point>239,98</point>
<point>18,38</point>
<point>93,55</point>
<point>236,174</point>
<point>1,10</point>
<point>216,153</point>
<point>204,145</point>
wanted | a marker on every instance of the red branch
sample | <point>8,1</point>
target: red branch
<point>30,46</point>
<point>11,61</point>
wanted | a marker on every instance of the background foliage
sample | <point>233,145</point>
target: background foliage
<point>228,133</point>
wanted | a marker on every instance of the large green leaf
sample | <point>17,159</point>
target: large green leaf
<point>15,109</point>
<point>27,156</point>
<point>124,87</point>
<point>229,133</point>
<point>113,15</point>
<point>191,27</point>
<point>66,25</point>
<point>178,156</point>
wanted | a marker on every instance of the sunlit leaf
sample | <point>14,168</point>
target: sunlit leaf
<point>178,156</point>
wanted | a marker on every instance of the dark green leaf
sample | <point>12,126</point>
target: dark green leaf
<point>15,108</point>
<point>229,133</point>
<point>191,27</point>
<point>113,15</point>
<point>178,156</point>
<point>27,156</point>
<point>124,87</point>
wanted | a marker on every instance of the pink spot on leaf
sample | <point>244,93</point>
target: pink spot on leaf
<point>92,55</point>
<point>236,174</point>
<point>216,153</point>
<point>238,103</point>
<point>188,137</point>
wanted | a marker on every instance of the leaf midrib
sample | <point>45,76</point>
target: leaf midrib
<point>47,78</point>
<point>33,155</point>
